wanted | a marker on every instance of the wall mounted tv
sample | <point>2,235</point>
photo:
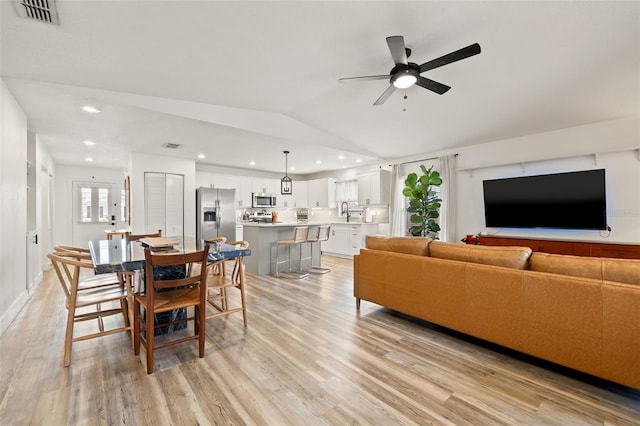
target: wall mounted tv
<point>574,200</point>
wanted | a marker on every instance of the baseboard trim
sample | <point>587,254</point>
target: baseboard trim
<point>12,312</point>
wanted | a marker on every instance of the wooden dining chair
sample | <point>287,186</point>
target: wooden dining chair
<point>219,283</point>
<point>85,302</point>
<point>216,267</point>
<point>136,237</point>
<point>89,281</point>
<point>184,291</point>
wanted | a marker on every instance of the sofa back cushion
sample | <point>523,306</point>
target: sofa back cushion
<point>621,270</point>
<point>618,270</point>
<point>418,246</point>
<point>575,266</point>
<point>508,257</point>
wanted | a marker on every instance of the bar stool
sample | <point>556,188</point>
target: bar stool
<point>300,234</point>
<point>321,235</point>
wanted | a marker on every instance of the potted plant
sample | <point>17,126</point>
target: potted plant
<point>424,203</point>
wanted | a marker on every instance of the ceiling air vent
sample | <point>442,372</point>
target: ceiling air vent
<point>171,145</point>
<point>38,10</point>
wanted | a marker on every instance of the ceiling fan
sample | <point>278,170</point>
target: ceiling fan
<point>405,74</point>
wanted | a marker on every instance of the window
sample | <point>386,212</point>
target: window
<point>94,203</point>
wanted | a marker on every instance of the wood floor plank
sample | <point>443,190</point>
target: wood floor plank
<point>307,357</point>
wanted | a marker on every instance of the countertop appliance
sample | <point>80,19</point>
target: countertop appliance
<point>216,215</point>
<point>261,217</point>
<point>263,200</point>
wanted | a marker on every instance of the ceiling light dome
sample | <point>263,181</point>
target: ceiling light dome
<point>404,79</point>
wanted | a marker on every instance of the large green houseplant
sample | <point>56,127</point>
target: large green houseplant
<point>424,203</point>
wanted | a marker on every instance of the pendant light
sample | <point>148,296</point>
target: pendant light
<point>285,183</point>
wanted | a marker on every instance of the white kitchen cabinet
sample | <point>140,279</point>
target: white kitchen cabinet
<point>338,242</point>
<point>322,193</point>
<point>265,185</point>
<point>243,186</point>
<point>358,236</point>
<point>300,194</point>
<point>374,187</point>
<point>347,239</point>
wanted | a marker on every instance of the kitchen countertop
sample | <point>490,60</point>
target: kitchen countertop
<point>310,223</point>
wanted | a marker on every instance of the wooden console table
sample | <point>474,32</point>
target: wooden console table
<point>576,248</point>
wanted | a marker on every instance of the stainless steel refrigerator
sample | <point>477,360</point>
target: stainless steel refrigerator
<point>216,214</point>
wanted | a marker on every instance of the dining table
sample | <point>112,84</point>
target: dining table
<point>120,255</point>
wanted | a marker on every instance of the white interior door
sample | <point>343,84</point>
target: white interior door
<point>174,207</point>
<point>164,203</point>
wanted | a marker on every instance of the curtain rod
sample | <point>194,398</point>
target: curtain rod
<point>417,161</point>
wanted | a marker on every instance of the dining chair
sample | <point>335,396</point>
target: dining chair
<point>164,295</point>
<point>217,267</point>
<point>89,281</point>
<point>85,301</point>
<point>219,283</point>
<point>136,237</point>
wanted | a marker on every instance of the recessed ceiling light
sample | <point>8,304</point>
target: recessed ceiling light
<point>89,143</point>
<point>292,168</point>
<point>358,161</point>
<point>340,157</point>
<point>91,109</point>
<point>318,162</point>
<point>89,159</point>
<point>201,156</point>
<point>252,163</point>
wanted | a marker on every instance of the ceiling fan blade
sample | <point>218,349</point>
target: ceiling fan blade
<point>397,48</point>
<point>363,78</point>
<point>463,53</point>
<point>385,95</point>
<point>434,86</point>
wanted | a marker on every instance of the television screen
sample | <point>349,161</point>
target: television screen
<point>574,200</point>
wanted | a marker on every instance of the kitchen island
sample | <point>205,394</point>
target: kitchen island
<point>345,240</point>
<point>261,238</point>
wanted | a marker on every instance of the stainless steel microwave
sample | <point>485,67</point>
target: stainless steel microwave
<point>263,200</point>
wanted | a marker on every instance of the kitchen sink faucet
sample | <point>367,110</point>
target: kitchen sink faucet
<point>345,206</point>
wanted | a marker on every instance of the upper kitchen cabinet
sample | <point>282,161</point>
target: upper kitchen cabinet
<point>265,186</point>
<point>211,180</point>
<point>300,194</point>
<point>297,199</point>
<point>374,187</point>
<point>243,188</point>
<point>322,193</point>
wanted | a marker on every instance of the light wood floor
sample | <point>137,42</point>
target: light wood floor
<point>307,358</point>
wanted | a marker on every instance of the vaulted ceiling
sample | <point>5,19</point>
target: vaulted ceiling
<point>242,81</point>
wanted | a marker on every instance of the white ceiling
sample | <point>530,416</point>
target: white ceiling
<point>242,81</point>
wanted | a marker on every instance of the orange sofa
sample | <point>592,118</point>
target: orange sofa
<point>579,312</point>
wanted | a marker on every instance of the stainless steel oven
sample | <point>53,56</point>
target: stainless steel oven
<point>263,200</point>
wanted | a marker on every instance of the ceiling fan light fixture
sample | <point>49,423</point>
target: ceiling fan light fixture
<point>404,79</point>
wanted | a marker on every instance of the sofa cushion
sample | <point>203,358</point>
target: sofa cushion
<point>621,270</point>
<point>418,246</point>
<point>508,257</point>
<point>575,266</point>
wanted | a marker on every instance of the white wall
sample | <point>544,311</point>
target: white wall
<point>141,163</point>
<point>13,207</point>
<point>63,210</point>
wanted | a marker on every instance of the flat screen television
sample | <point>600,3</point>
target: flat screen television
<point>574,200</point>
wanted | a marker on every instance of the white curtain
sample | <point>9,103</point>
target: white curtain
<point>448,193</point>
<point>398,219</point>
